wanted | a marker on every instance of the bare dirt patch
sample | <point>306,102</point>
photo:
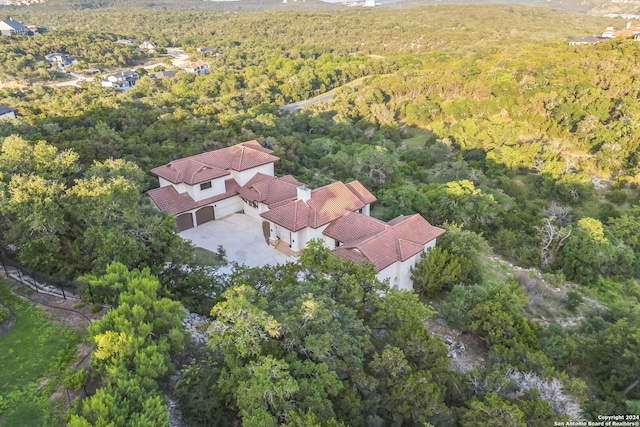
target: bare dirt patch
<point>465,350</point>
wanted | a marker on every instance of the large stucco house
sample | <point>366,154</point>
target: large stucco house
<point>241,179</point>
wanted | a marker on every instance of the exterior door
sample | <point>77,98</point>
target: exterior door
<point>266,231</point>
<point>205,214</point>
<point>184,221</point>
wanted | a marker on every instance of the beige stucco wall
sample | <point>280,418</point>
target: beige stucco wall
<point>228,206</point>
<point>255,212</point>
<point>217,187</point>
<point>244,176</point>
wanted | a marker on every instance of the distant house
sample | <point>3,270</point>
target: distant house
<point>631,30</point>
<point>37,29</point>
<point>128,42</point>
<point>148,46</point>
<point>207,50</point>
<point>240,179</point>
<point>162,74</point>
<point>62,59</point>
<point>123,80</point>
<point>587,40</point>
<point>199,68</point>
<point>10,27</point>
<point>7,112</point>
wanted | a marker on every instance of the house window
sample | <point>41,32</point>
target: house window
<point>336,243</point>
<point>253,204</point>
<point>205,185</point>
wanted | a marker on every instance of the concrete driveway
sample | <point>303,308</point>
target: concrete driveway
<point>240,236</point>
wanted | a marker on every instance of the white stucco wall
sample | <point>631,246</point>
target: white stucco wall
<point>228,206</point>
<point>429,245</point>
<point>244,176</point>
<point>388,273</point>
<point>255,212</point>
<point>217,187</point>
<point>9,115</point>
<point>184,188</point>
<point>163,182</point>
<point>309,233</point>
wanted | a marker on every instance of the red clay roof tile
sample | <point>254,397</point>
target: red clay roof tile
<point>403,238</point>
<point>169,200</point>
<point>217,163</point>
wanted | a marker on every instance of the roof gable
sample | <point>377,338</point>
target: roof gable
<point>354,226</point>
<point>169,200</point>
<point>403,237</point>
<point>270,190</point>
<point>214,164</point>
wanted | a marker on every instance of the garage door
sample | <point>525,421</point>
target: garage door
<point>184,221</point>
<point>205,215</point>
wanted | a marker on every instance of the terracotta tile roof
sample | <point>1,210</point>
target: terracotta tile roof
<point>215,164</point>
<point>256,179</point>
<point>623,33</point>
<point>331,202</point>
<point>271,190</point>
<point>352,254</point>
<point>403,238</point>
<point>417,229</point>
<point>361,192</point>
<point>326,204</point>
<point>354,226</point>
<point>169,200</point>
<point>398,220</point>
<point>293,216</point>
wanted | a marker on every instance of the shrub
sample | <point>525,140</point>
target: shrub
<point>4,404</point>
<point>95,308</point>
<point>617,196</point>
<point>574,299</point>
<point>74,379</point>
<point>4,314</point>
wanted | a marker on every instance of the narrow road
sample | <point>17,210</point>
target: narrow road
<point>178,60</point>
<point>327,96</point>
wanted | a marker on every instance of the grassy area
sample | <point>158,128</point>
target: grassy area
<point>417,138</point>
<point>208,258</point>
<point>33,355</point>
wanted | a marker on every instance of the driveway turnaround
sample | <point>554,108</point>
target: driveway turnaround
<point>240,236</point>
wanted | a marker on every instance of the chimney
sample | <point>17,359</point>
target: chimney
<point>304,193</point>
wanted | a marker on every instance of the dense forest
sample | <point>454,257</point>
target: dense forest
<point>481,118</point>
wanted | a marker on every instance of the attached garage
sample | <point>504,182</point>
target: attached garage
<point>228,206</point>
<point>184,221</point>
<point>205,214</point>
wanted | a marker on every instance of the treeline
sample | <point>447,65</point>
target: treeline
<point>450,28</point>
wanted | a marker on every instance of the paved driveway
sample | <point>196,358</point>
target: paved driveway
<point>242,238</point>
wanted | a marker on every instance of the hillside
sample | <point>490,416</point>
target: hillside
<point>481,118</point>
